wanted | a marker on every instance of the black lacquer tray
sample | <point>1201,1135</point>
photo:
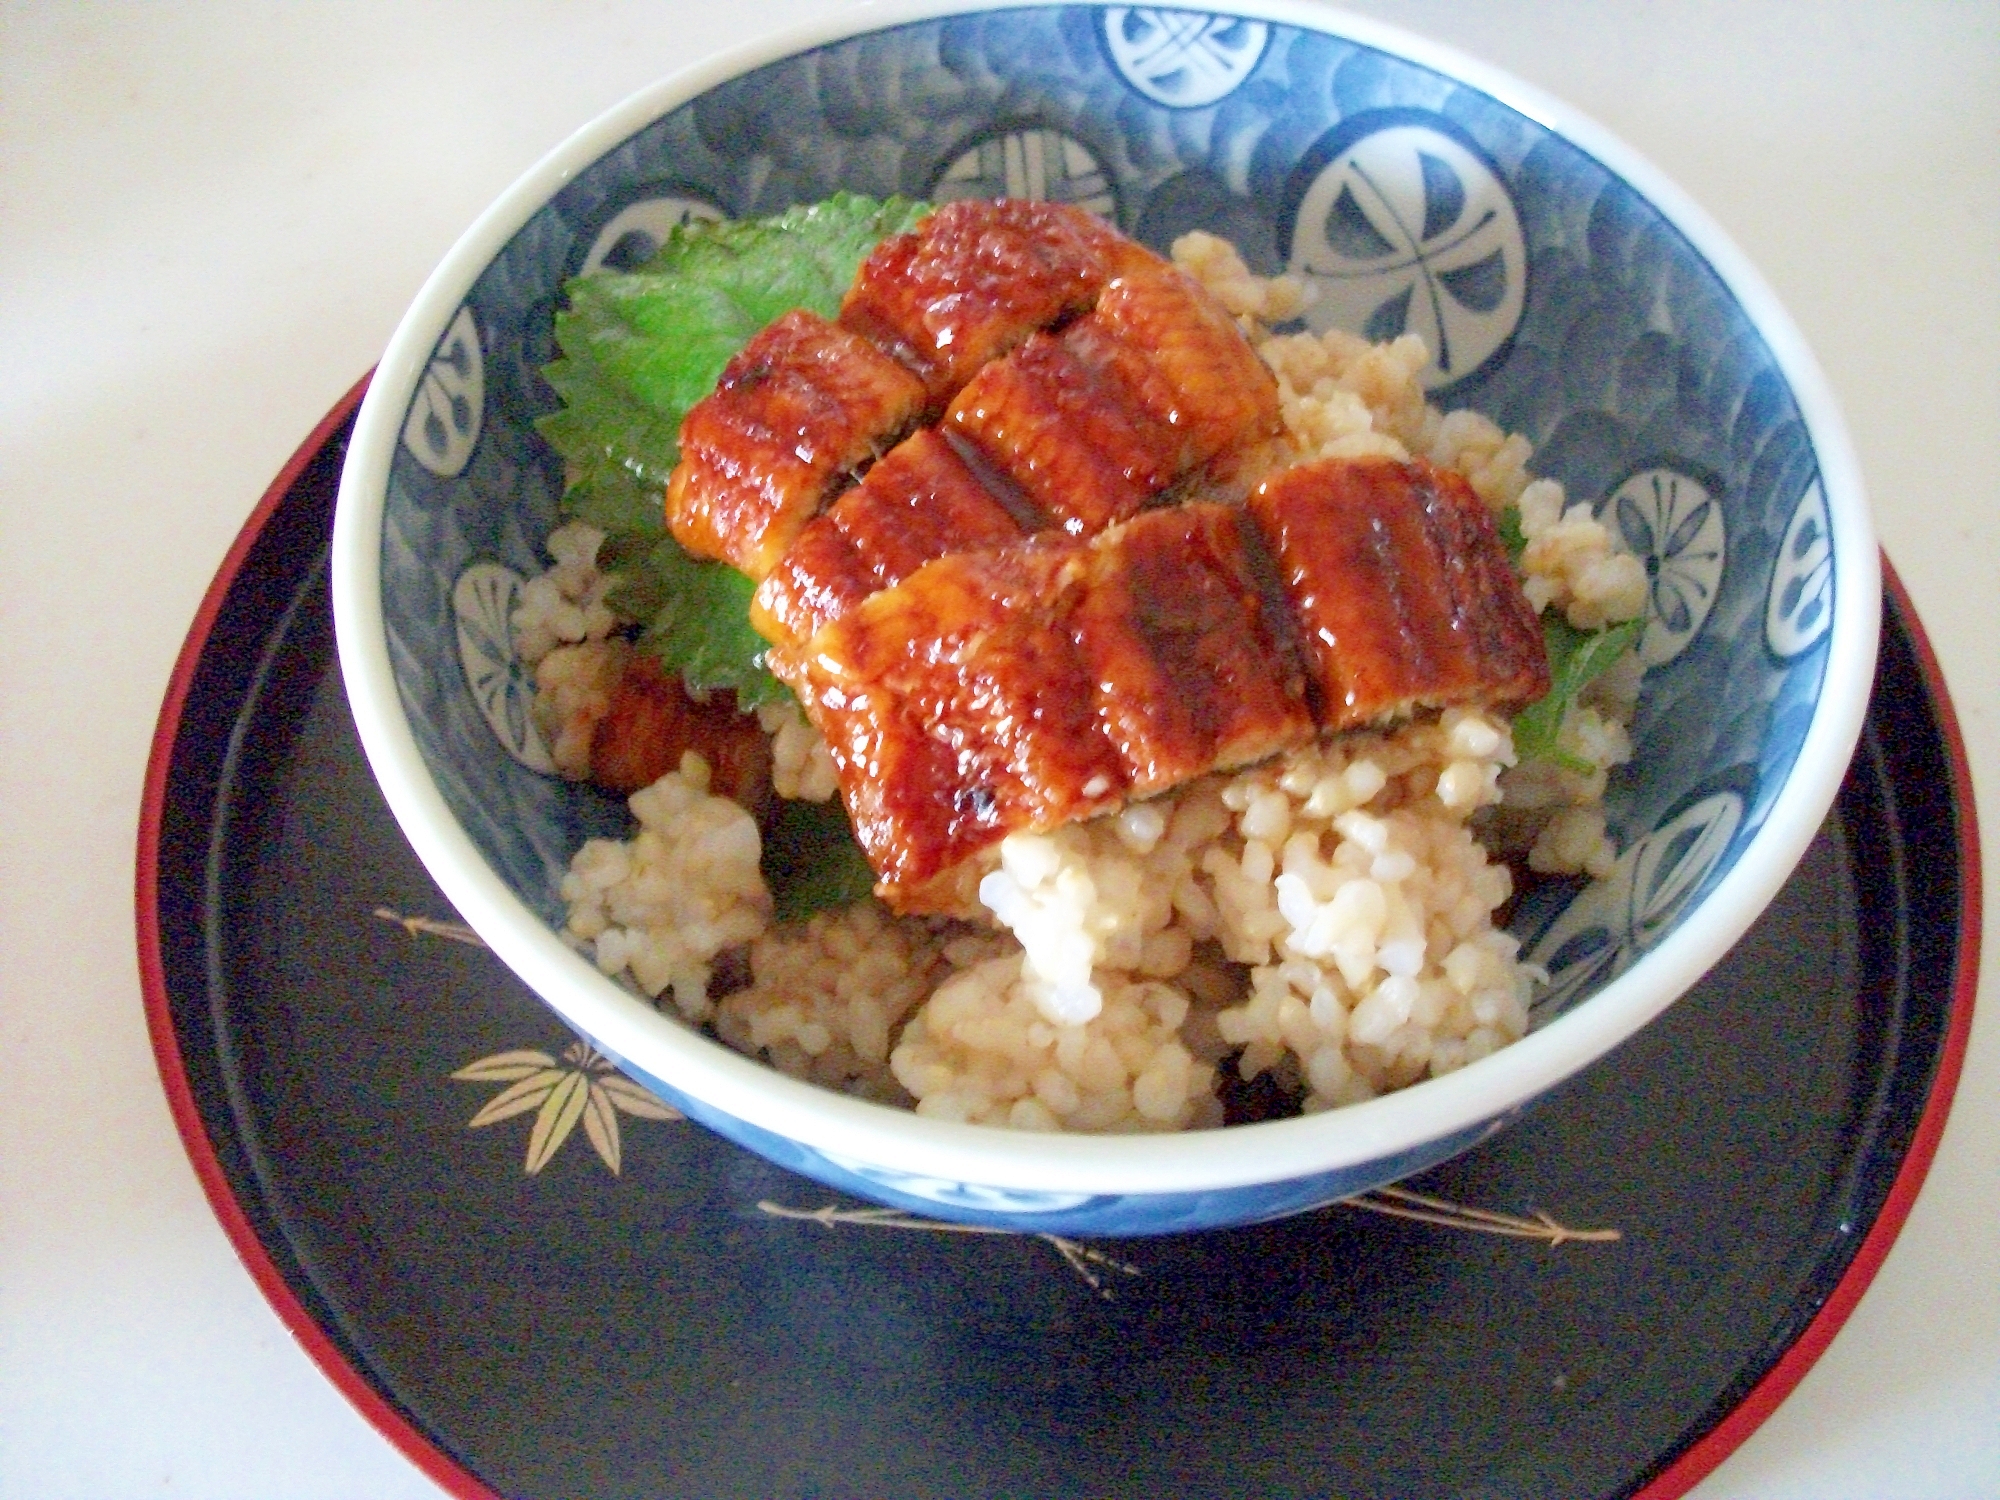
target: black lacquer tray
<point>671,1327</point>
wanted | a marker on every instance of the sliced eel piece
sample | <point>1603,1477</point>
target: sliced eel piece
<point>1069,432</point>
<point>798,411</point>
<point>820,578</point>
<point>1402,592</point>
<point>652,721</point>
<point>958,710</point>
<point>1033,684</point>
<point>922,501</point>
<point>1184,359</point>
<point>919,502</point>
<point>1190,674</point>
<point>974,279</point>
<point>1096,422</point>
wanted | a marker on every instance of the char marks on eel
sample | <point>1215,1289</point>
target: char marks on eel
<point>958,710</point>
<point>801,408</point>
<point>919,502</point>
<point>1402,592</point>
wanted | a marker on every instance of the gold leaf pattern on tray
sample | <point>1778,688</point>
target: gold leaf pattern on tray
<point>457,932</point>
<point>505,1067</point>
<point>529,1093</point>
<point>581,1085</point>
<point>556,1118</point>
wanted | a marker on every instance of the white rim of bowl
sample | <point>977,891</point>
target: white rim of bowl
<point>1197,1161</point>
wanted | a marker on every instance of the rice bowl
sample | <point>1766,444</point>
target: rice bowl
<point>1155,949</point>
<point>498,836</point>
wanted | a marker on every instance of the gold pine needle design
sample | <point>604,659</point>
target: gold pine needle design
<point>1402,1203</point>
<point>1092,1265</point>
<point>457,932</point>
<point>581,1086</point>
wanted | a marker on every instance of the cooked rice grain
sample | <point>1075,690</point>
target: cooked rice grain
<point>827,995</point>
<point>686,888</point>
<point>1575,563</point>
<point>1344,875</point>
<point>565,604</point>
<point>801,766</point>
<point>574,685</point>
<point>982,1050</point>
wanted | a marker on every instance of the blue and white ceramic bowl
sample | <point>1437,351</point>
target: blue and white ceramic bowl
<point>1570,293</point>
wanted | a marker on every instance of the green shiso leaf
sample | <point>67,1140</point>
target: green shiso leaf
<point>638,348</point>
<point>619,506</point>
<point>696,620</point>
<point>1511,536</point>
<point>812,862</point>
<point>1576,659</point>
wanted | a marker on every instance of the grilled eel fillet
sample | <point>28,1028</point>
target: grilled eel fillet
<point>801,405</point>
<point>920,501</point>
<point>995,626</point>
<point>1150,387</point>
<point>1050,679</point>
<point>1147,383</point>
<point>1033,684</point>
<point>974,279</point>
<point>806,404</point>
<point>1400,591</point>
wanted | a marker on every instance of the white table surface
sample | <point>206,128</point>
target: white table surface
<point>211,216</point>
